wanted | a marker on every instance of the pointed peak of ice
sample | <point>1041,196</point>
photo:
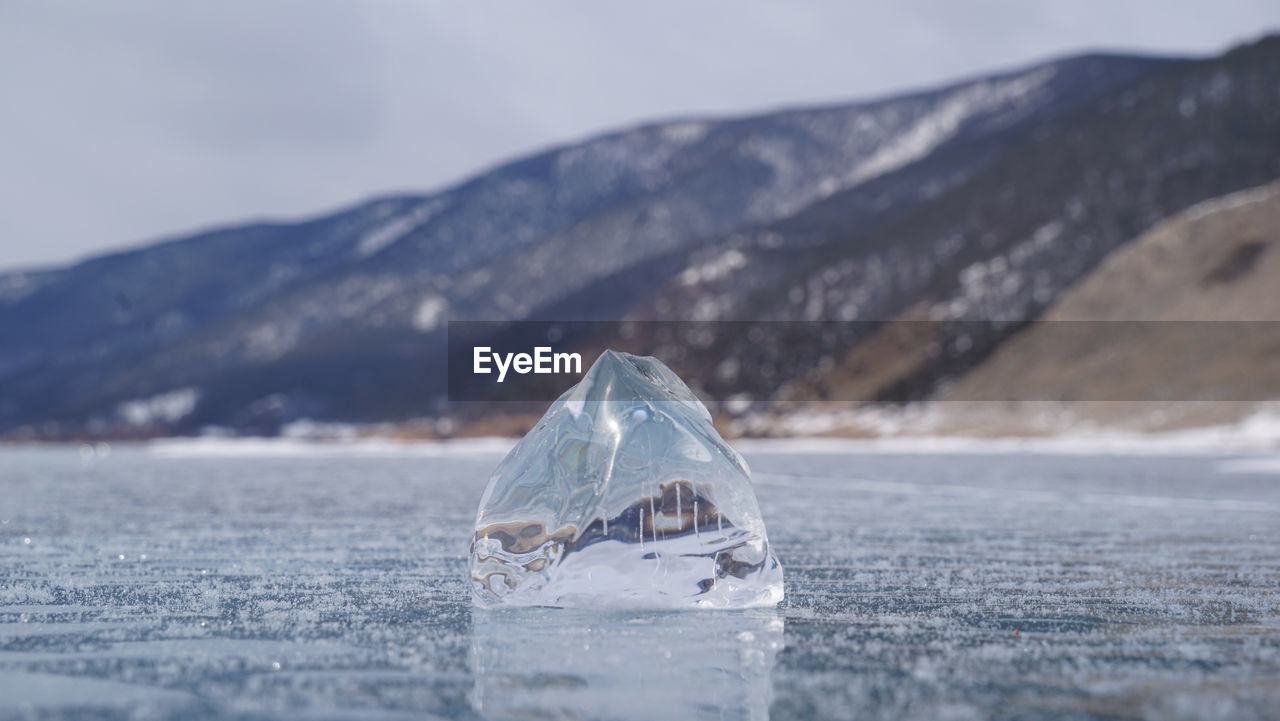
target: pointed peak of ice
<point>617,376</point>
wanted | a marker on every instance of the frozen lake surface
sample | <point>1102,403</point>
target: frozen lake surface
<point>330,585</point>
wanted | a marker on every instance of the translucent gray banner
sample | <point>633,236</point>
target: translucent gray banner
<point>889,361</point>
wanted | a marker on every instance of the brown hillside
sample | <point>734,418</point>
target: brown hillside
<point>1210,276</point>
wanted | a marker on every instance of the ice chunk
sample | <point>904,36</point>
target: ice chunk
<point>623,495</point>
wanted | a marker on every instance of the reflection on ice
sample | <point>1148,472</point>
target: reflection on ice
<point>575,664</point>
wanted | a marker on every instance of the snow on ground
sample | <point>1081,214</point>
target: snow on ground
<point>215,446</point>
<point>398,227</point>
<point>931,428</point>
<point>920,429</point>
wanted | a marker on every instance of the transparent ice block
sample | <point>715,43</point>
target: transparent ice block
<point>623,495</point>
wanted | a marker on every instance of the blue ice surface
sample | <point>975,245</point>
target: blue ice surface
<point>331,584</point>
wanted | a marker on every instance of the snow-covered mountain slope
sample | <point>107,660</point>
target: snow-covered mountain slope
<point>342,316</point>
<point>1000,244</point>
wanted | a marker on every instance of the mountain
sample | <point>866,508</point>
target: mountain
<point>998,247</point>
<point>983,199</point>
<point>1177,329</point>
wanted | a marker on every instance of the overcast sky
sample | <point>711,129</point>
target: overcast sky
<point>126,122</point>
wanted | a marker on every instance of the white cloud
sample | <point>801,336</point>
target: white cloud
<point>150,117</point>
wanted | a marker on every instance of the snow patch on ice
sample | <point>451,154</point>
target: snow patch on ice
<point>908,431</point>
